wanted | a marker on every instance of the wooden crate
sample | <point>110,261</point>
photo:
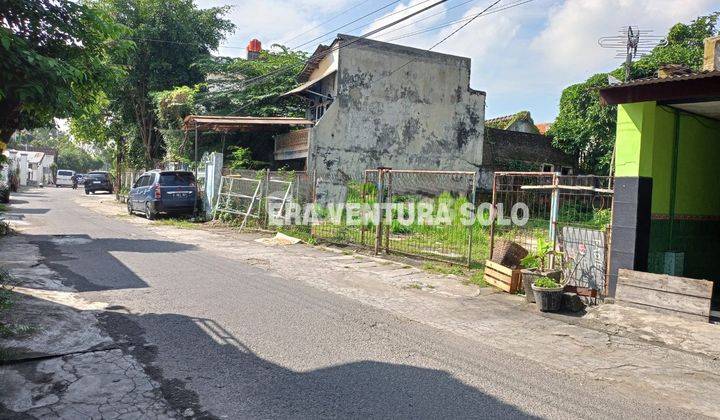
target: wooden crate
<point>502,277</point>
<point>672,295</point>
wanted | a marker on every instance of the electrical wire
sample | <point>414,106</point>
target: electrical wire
<point>509,6</point>
<point>347,24</point>
<point>325,22</point>
<point>340,46</point>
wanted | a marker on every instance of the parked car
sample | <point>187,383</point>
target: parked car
<point>98,181</point>
<point>170,192</point>
<point>80,178</point>
<point>64,178</point>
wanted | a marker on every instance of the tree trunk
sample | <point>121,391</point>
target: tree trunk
<point>9,119</point>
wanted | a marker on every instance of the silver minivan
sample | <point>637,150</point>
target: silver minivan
<point>64,178</point>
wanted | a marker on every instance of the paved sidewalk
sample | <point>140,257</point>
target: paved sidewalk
<point>608,345</point>
<point>68,368</point>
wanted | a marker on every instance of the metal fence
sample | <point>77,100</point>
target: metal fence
<point>384,226</point>
<point>571,212</point>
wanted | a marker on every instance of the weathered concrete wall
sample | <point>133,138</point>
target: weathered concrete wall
<point>422,116</point>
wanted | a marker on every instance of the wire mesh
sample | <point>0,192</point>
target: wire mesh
<point>572,212</point>
<point>442,235</point>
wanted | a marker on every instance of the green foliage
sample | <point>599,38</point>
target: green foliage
<point>55,55</point>
<point>229,92</point>
<point>73,157</point>
<point>537,259</point>
<point>546,282</point>
<point>586,129</point>
<point>241,158</point>
<point>170,37</point>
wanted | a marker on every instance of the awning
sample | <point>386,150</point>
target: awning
<point>311,82</point>
<point>232,123</point>
<point>699,86</point>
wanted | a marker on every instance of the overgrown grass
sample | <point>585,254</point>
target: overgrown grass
<point>472,275</point>
<point>7,301</point>
<point>179,223</point>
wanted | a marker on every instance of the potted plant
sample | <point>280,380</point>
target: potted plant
<point>548,294</point>
<point>536,265</point>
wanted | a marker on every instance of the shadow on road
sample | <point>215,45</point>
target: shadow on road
<point>99,270</point>
<point>230,375</point>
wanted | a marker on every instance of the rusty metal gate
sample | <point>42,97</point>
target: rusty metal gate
<point>573,212</point>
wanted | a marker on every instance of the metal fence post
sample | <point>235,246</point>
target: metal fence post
<point>388,203</point>
<point>493,211</point>
<point>471,227</point>
<point>363,200</point>
<point>554,210</point>
<point>380,198</point>
<point>264,196</point>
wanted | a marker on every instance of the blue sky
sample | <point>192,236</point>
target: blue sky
<point>522,56</point>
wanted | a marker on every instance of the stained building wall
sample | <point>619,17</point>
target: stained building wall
<point>399,107</point>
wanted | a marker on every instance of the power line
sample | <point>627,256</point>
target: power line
<point>326,21</point>
<point>445,25</point>
<point>421,19</point>
<point>447,37</point>
<point>323,54</point>
<point>347,24</point>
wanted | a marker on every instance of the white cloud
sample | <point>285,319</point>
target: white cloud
<point>569,39</point>
<point>522,57</point>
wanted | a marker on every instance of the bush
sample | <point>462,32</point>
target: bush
<point>546,282</point>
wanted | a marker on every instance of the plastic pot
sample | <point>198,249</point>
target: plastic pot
<point>548,299</point>
<point>529,277</point>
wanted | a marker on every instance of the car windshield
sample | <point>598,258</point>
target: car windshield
<point>97,176</point>
<point>64,173</point>
<point>177,179</point>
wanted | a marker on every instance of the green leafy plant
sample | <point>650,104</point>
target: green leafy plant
<point>538,259</point>
<point>546,282</point>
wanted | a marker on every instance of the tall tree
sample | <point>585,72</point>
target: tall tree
<point>170,36</point>
<point>232,87</point>
<point>55,53</point>
<point>586,129</point>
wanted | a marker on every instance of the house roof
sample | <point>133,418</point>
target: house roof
<point>504,122</point>
<point>313,62</point>
<point>35,157</point>
<point>345,40</point>
<point>683,87</point>
<point>543,127</point>
<point>233,123</point>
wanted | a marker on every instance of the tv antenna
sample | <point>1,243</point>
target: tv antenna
<point>631,43</point>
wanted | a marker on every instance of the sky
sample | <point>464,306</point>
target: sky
<point>522,56</point>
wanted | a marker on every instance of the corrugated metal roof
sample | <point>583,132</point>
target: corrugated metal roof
<point>309,83</point>
<point>693,86</point>
<point>669,79</point>
<point>222,122</point>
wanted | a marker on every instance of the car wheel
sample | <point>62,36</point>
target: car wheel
<point>129,206</point>
<point>149,214</point>
<point>87,192</point>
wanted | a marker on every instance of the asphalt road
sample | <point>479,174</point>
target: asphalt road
<point>233,341</point>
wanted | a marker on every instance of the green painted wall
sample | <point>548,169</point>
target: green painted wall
<point>698,171</point>
<point>644,147</point>
<point>633,144</point>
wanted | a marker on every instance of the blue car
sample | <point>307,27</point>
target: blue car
<point>169,192</point>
